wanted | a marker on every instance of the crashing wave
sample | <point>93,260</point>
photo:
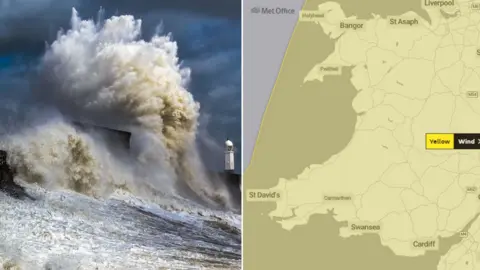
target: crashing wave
<point>104,73</point>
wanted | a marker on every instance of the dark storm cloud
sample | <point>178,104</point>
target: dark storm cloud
<point>217,8</point>
<point>27,23</point>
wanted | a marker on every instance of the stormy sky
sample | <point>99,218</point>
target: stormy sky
<point>208,33</point>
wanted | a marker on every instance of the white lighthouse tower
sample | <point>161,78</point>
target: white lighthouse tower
<point>229,157</point>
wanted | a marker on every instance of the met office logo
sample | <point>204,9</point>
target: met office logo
<point>275,10</point>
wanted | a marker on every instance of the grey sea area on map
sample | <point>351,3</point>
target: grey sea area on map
<point>265,38</point>
<point>317,244</point>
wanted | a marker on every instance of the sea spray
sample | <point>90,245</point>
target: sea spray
<point>107,74</point>
<point>103,73</point>
<point>54,155</point>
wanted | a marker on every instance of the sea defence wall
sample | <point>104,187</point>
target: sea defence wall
<point>113,135</point>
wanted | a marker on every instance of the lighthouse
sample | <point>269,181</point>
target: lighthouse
<point>229,157</point>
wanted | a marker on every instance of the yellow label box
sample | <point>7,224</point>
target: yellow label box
<point>439,141</point>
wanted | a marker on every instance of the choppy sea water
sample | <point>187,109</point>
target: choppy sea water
<point>67,230</point>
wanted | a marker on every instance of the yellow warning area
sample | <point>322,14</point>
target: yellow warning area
<point>439,141</point>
